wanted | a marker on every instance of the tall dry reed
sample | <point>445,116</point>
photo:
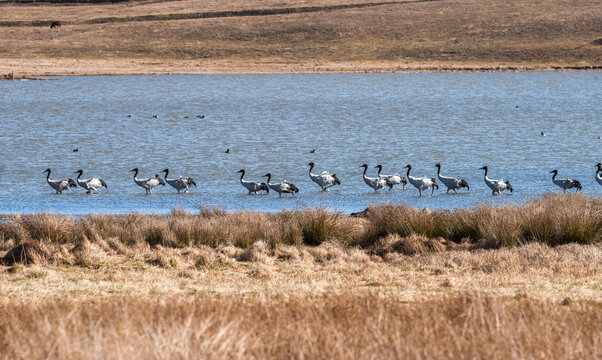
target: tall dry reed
<point>554,219</point>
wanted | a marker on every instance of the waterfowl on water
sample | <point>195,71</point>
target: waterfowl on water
<point>147,184</point>
<point>252,186</point>
<point>60,184</point>
<point>325,179</point>
<point>496,186</point>
<point>180,183</point>
<point>565,184</point>
<point>284,187</point>
<point>451,183</point>
<point>422,183</point>
<point>92,184</point>
<point>375,183</point>
<point>394,179</point>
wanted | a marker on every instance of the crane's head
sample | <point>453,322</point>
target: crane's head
<point>599,166</point>
<point>267,175</point>
<point>483,168</point>
<point>379,166</point>
<point>438,165</point>
<point>80,171</point>
<point>241,171</point>
<point>47,170</point>
<point>555,172</point>
<point>134,170</point>
<point>311,163</point>
<point>408,166</point>
<point>365,166</point>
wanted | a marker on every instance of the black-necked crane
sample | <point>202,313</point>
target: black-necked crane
<point>422,183</point>
<point>147,184</point>
<point>393,179</point>
<point>599,173</point>
<point>565,184</point>
<point>283,187</point>
<point>59,185</point>
<point>375,183</point>
<point>496,186</point>
<point>92,184</point>
<point>452,183</point>
<point>252,186</point>
<point>325,179</point>
<point>179,183</point>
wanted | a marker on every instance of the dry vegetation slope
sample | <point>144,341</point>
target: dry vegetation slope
<point>391,282</point>
<point>365,36</point>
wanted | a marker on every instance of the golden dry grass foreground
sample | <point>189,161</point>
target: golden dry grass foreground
<point>267,36</point>
<point>391,282</point>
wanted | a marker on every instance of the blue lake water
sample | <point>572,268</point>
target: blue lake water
<point>271,122</point>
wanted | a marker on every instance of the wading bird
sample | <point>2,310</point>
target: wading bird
<point>61,184</point>
<point>496,186</point>
<point>565,184</point>
<point>375,183</point>
<point>422,183</point>
<point>450,182</point>
<point>147,184</point>
<point>325,179</point>
<point>181,183</point>
<point>284,187</point>
<point>252,186</point>
<point>394,179</point>
<point>92,184</point>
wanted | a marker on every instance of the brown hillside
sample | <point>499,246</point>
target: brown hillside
<point>314,35</point>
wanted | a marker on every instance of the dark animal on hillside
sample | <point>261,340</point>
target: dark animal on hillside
<point>55,24</point>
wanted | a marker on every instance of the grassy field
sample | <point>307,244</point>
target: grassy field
<point>261,36</point>
<point>490,282</point>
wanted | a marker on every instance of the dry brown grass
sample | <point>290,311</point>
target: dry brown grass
<point>297,285</point>
<point>434,35</point>
<point>364,325</point>
<point>553,220</point>
<point>327,301</point>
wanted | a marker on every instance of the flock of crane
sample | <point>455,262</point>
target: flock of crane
<point>324,179</point>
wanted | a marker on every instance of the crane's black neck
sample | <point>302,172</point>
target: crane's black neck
<point>242,174</point>
<point>311,167</point>
<point>380,168</point>
<point>438,169</point>
<point>409,168</point>
<point>365,170</point>
<point>166,172</point>
<point>554,175</point>
<point>135,173</point>
<point>48,175</point>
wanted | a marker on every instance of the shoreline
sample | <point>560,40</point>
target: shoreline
<point>40,69</point>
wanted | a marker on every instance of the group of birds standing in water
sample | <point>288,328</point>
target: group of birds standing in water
<point>324,179</point>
